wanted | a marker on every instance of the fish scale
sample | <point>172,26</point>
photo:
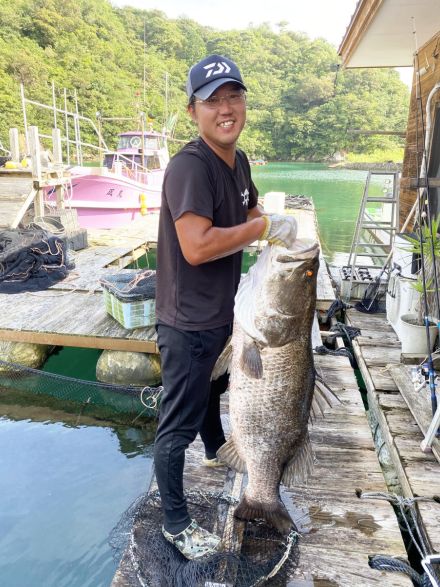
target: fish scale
<point>269,413</point>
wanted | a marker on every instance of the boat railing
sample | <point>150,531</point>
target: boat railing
<point>68,125</point>
<point>130,168</point>
<point>4,150</point>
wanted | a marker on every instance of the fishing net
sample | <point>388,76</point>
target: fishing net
<point>31,260</point>
<point>252,553</point>
<point>123,403</point>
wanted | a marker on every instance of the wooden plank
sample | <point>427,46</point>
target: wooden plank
<point>418,473</point>
<point>387,337</point>
<point>88,342</point>
<point>76,319</point>
<point>15,186</point>
<point>381,419</point>
<point>333,568</point>
<point>369,322</point>
<point>346,522</point>
<point>382,379</point>
<point>419,402</point>
<point>380,356</point>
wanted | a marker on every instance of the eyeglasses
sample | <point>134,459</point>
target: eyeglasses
<point>214,102</point>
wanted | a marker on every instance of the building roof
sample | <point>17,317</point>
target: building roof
<point>381,32</point>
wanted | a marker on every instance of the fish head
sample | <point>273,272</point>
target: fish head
<point>287,297</point>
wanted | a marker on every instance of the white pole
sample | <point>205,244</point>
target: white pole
<point>14,145</point>
<point>426,443</point>
<point>34,143</point>
<point>66,119</point>
<point>54,105</point>
<point>23,107</point>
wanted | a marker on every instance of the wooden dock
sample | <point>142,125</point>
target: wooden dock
<point>338,531</point>
<point>402,415</point>
<point>72,312</point>
<point>19,189</point>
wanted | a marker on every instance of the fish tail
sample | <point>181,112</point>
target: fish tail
<point>274,514</point>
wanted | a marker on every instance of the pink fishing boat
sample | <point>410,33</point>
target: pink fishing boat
<point>128,185</point>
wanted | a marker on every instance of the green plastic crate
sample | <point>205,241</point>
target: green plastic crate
<point>135,313</point>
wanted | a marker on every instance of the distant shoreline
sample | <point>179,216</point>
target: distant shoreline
<point>387,166</point>
<point>384,166</point>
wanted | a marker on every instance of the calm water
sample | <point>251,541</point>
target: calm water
<point>66,481</point>
<point>63,488</point>
<point>336,194</point>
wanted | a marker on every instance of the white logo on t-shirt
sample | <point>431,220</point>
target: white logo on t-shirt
<point>245,196</point>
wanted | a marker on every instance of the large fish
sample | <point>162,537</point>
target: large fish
<point>273,378</point>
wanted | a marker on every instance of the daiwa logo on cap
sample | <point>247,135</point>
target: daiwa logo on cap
<point>209,74</point>
<point>222,67</point>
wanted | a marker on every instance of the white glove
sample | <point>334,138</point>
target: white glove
<point>280,230</point>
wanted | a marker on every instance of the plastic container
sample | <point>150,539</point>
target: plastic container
<point>131,306</point>
<point>274,202</point>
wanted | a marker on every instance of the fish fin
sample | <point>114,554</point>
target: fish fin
<point>314,411</point>
<point>223,364</point>
<point>300,466</point>
<point>228,454</point>
<point>250,360</point>
<point>324,395</point>
<point>276,515</point>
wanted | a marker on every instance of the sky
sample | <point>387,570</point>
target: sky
<point>316,18</point>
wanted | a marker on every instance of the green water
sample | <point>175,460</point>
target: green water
<point>336,194</point>
<point>69,475</point>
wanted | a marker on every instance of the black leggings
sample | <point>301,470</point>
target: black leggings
<point>189,404</point>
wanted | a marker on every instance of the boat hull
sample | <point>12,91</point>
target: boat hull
<point>106,200</point>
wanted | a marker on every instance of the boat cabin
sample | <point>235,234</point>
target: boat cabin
<point>129,150</point>
<point>405,33</point>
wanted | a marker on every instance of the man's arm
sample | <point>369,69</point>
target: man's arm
<point>201,242</point>
<point>255,212</point>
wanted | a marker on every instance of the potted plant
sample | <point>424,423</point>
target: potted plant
<point>413,328</point>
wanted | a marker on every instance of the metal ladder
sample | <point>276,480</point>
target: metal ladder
<point>355,271</point>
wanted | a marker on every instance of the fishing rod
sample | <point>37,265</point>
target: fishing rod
<point>423,201</point>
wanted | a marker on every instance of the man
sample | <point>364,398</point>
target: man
<point>208,215</point>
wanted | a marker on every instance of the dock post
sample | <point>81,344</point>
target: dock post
<point>34,146</point>
<point>58,162</point>
<point>14,145</point>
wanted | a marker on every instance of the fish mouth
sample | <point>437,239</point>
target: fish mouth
<point>301,250</point>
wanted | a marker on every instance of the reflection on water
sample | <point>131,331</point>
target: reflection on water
<point>66,486</point>
<point>336,194</point>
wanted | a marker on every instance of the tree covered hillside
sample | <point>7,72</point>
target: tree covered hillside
<point>300,104</point>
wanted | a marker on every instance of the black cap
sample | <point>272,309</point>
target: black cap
<point>209,74</point>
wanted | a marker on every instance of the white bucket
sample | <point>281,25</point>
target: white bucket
<point>413,337</point>
<point>274,202</point>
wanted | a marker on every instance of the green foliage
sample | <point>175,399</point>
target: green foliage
<point>427,244</point>
<point>300,105</point>
<point>377,156</point>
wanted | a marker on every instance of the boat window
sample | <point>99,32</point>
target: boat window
<point>153,162</point>
<point>129,142</point>
<point>151,143</point>
<point>434,165</point>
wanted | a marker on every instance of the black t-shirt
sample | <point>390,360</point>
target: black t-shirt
<point>198,181</point>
